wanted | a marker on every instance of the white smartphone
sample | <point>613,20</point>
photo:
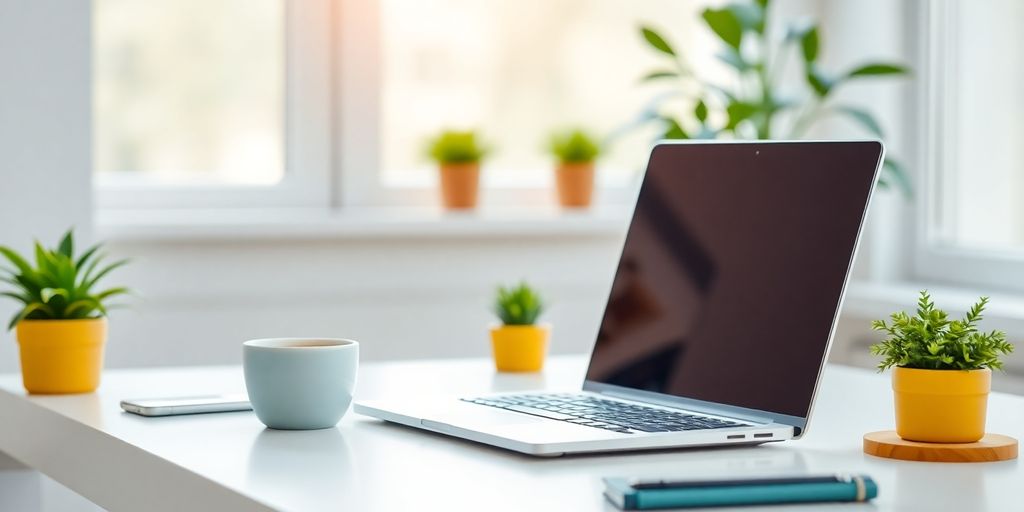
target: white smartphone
<point>187,405</point>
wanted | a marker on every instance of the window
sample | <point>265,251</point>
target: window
<point>182,98</point>
<point>314,103</point>
<point>517,69</point>
<point>200,103</point>
<point>972,200</point>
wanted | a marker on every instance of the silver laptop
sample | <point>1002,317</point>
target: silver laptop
<point>719,318</point>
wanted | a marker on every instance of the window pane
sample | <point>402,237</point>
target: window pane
<point>982,200</point>
<point>518,69</point>
<point>189,91</point>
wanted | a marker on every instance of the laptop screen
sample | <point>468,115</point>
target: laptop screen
<point>732,271</point>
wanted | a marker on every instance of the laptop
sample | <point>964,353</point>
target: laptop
<point>720,315</point>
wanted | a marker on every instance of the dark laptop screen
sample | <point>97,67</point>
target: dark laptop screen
<point>732,271</point>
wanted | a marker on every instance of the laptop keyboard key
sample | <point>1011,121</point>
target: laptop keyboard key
<point>539,412</point>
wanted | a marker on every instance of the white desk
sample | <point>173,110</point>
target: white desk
<point>230,462</point>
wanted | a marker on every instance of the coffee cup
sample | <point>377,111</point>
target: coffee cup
<point>300,383</point>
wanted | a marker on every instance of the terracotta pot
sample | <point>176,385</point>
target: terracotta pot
<point>61,356</point>
<point>575,183</point>
<point>941,406</point>
<point>520,348</point>
<point>460,184</point>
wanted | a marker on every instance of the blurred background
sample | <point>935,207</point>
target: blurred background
<point>263,161</point>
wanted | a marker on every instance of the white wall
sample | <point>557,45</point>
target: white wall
<point>403,297</point>
<point>45,146</point>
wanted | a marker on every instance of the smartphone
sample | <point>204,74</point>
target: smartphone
<point>187,405</point>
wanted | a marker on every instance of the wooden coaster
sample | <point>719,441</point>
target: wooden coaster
<point>991,448</point>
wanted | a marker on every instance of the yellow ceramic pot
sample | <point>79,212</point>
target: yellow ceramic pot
<point>61,356</point>
<point>520,348</point>
<point>941,406</point>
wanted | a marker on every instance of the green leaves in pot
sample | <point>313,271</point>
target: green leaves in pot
<point>574,147</point>
<point>457,147</point>
<point>930,341</point>
<point>518,305</point>
<point>59,286</point>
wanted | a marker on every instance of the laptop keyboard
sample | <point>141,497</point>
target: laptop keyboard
<point>596,412</point>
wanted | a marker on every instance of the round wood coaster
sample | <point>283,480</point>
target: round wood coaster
<point>991,448</point>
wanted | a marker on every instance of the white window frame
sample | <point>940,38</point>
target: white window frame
<point>933,261</point>
<point>332,130</point>
<point>307,133</point>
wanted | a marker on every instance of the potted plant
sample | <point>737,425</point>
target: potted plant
<point>62,326</point>
<point>575,152</point>
<point>942,371</point>
<point>458,155</point>
<point>519,343</point>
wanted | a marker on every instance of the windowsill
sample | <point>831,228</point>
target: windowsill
<point>362,223</point>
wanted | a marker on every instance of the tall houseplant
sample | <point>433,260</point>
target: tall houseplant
<point>61,326</point>
<point>458,155</point>
<point>942,371</point>
<point>754,106</point>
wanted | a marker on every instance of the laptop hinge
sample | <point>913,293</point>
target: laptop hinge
<point>703,408</point>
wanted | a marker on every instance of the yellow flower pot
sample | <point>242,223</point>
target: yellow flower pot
<point>941,406</point>
<point>520,348</point>
<point>61,356</point>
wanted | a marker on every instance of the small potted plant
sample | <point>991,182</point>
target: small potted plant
<point>575,152</point>
<point>62,326</point>
<point>458,155</point>
<point>942,371</point>
<point>519,343</point>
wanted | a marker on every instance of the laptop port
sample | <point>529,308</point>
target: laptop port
<point>763,435</point>
<point>736,436</point>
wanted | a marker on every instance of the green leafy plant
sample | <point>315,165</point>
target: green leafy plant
<point>518,305</point>
<point>754,107</point>
<point>574,147</point>
<point>58,286</point>
<point>929,340</point>
<point>457,147</point>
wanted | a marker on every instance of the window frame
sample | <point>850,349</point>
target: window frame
<point>933,261</point>
<point>306,135</point>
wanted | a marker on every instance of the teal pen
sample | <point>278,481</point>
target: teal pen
<point>638,494</point>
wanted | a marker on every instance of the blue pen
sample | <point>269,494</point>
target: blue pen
<point>642,494</point>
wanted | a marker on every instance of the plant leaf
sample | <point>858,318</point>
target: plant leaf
<point>739,111</point>
<point>750,16</point>
<point>733,58</point>
<point>821,83</point>
<point>700,111</point>
<point>894,169</point>
<point>877,69</point>
<point>84,258</point>
<point>99,275</point>
<point>67,244</point>
<point>657,75</point>
<point>674,130</point>
<point>656,41</point>
<point>19,262</point>
<point>724,23</point>
<point>864,118</point>
<point>809,44</point>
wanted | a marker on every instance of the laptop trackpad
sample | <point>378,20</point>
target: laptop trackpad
<point>468,415</point>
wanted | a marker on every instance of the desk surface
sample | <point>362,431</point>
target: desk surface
<point>231,462</point>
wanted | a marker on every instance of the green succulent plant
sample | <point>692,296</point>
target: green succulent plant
<point>756,105</point>
<point>929,340</point>
<point>518,305</point>
<point>457,147</point>
<point>574,147</point>
<point>59,286</point>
